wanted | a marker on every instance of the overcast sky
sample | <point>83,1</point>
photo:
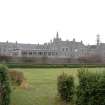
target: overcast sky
<point>37,21</point>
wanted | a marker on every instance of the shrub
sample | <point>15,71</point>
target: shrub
<point>91,89</point>
<point>4,86</point>
<point>66,87</point>
<point>17,77</point>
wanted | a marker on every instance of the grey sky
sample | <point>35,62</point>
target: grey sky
<point>37,21</point>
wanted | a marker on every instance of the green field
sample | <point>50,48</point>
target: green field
<point>42,86</point>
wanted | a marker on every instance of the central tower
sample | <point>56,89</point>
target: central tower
<point>98,39</point>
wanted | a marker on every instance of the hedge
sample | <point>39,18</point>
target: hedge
<point>4,86</point>
<point>23,65</point>
<point>91,89</point>
<point>66,87</point>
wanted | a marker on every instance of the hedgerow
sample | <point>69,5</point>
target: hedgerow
<point>23,65</point>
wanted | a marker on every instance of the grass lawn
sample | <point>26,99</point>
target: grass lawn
<point>43,86</point>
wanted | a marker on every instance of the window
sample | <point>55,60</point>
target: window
<point>40,53</point>
<point>66,49</point>
<point>24,53</point>
<point>63,49</point>
<point>30,53</point>
<point>45,53</point>
<point>49,53</point>
<point>34,53</point>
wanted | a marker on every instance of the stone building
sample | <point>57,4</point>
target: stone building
<point>55,48</point>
